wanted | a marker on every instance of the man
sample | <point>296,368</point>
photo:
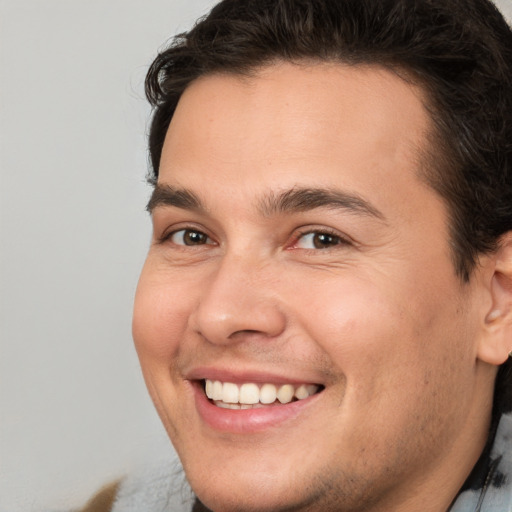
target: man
<point>325,315</point>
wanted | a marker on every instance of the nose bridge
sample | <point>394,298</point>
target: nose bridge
<point>239,297</point>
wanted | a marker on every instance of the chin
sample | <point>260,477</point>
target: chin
<point>247,494</point>
<point>262,479</point>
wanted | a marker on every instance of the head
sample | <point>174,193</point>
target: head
<point>446,171</point>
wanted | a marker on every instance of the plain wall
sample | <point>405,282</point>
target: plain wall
<point>74,411</point>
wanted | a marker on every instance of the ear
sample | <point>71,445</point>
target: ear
<point>496,342</point>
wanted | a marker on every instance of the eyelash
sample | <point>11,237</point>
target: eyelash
<point>204,239</point>
<point>339,240</point>
<point>166,237</point>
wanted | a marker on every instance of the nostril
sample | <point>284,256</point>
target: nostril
<point>246,333</point>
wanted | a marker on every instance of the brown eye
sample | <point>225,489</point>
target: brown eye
<point>318,240</point>
<point>189,237</point>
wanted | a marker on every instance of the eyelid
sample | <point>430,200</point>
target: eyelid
<point>170,231</point>
<point>344,240</point>
<point>302,232</point>
<point>204,239</point>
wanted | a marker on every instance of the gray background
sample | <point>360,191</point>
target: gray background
<point>73,407</point>
<point>73,234</point>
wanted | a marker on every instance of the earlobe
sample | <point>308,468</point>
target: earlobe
<point>496,343</point>
<point>492,316</point>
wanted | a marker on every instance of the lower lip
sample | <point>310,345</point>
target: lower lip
<point>244,421</point>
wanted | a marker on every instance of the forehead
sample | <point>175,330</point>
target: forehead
<point>313,124</point>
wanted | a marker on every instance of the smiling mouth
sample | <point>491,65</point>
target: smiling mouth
<point>228,395</point>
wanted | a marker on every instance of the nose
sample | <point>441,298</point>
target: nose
<point>239,299</point>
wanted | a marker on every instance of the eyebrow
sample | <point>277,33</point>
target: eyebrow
<point>300,199</point>
<point>297,199</point>
<point>165,195</point>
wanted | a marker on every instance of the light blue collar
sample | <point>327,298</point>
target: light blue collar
<point>495,492</point>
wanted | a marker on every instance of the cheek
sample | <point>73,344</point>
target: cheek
<point>396,354</point>
<point>351,319</point>
<point>381,336</point>
<point>159,322</point>
<point>160,317</point>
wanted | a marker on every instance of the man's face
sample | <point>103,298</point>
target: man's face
<point>295,244</point>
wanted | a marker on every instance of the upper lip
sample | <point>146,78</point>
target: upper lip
<point>239,377</point>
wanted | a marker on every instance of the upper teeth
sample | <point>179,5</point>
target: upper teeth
<point>250,393</point>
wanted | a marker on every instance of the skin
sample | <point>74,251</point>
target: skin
<point>377,315</point>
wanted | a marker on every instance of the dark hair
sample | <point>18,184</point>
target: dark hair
<point>458,51</point>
